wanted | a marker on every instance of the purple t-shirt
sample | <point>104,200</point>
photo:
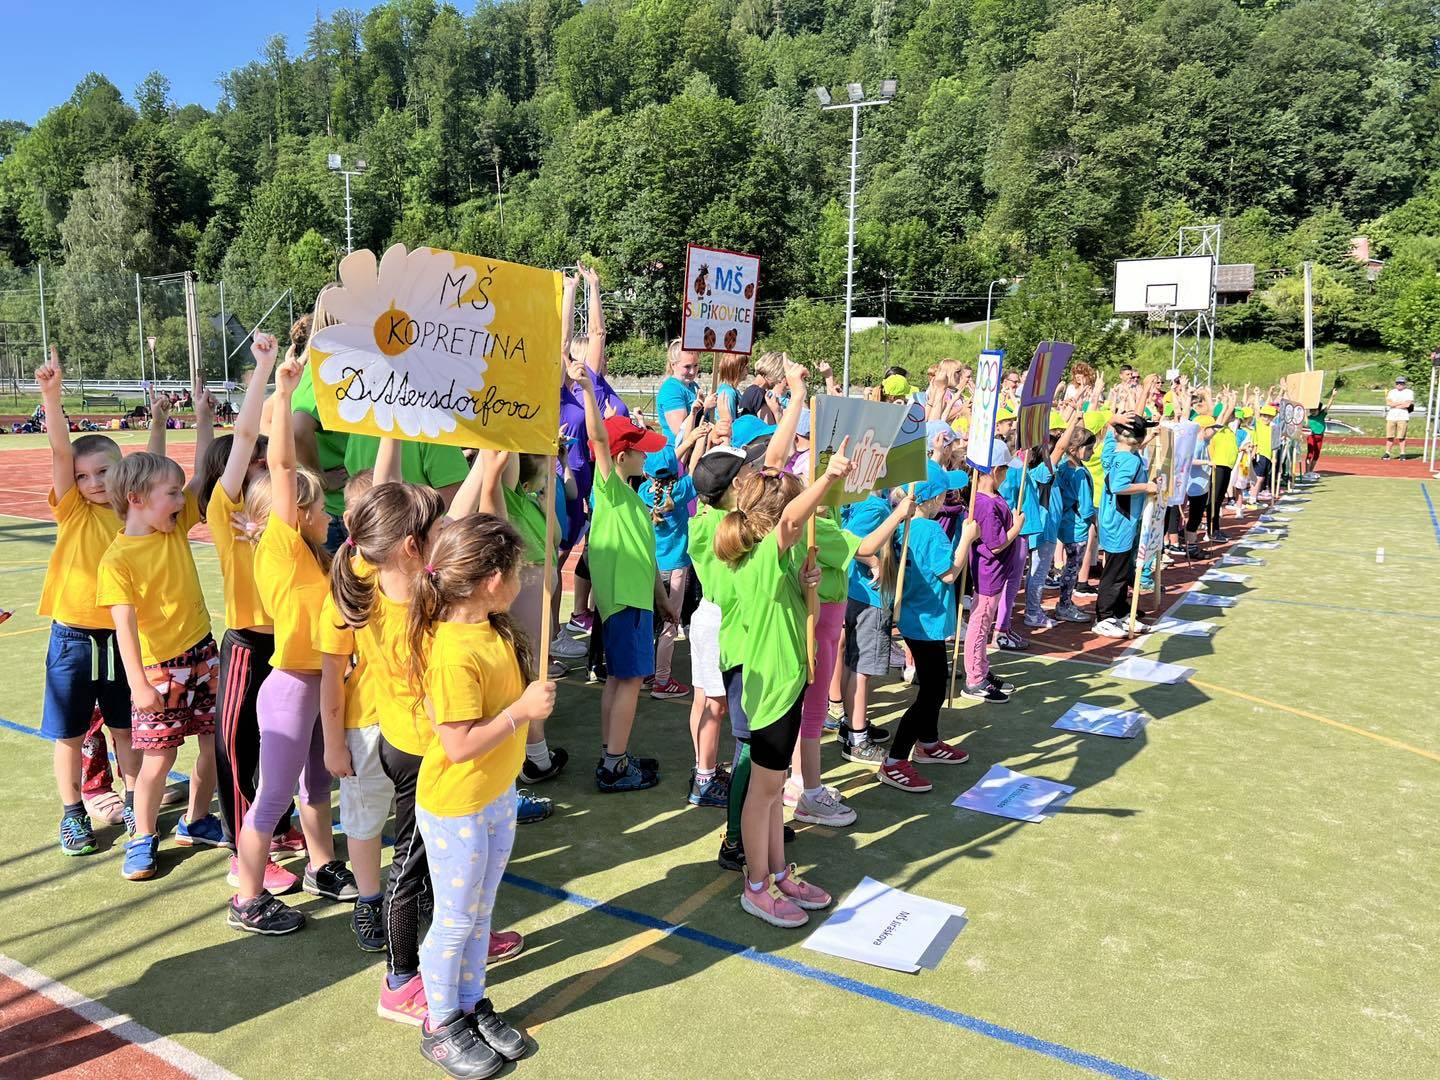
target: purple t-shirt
<point>572,426</point>
<point>991,569</point>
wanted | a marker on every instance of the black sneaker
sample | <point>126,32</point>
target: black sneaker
<point>787,835</point>
<point>369,926</point>
<point>994,681</point>
<point>77,835</point>
<point>1193,551</point>
<point>983,693</point>
<point>1084,588</point>
<point>533,774</point>
<point>263,915</point>
<point>458,1049</point>
<point>333,881</point>
<point>627,777</point>
<point>498,1035</point>
<point>865,751</point>
<point>732,856</point>
<point>1219,536</point>
<point>877,734</point>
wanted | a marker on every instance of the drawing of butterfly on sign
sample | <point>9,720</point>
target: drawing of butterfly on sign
<point>440,346</point>
<point>1047,367</point>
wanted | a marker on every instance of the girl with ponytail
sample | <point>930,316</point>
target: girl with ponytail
<point>473,666</point>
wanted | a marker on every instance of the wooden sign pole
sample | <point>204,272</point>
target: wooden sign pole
<point>900,574</point>
<point>812,594</point>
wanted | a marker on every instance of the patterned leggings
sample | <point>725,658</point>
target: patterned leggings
<point>467,860</point>
<point>1074,556</point>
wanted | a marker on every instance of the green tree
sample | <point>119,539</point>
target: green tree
<point>1062,299</point>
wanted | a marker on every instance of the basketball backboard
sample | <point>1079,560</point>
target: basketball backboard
<point>1172,284</point>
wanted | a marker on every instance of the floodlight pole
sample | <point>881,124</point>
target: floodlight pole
<point>1309,320</point>
<point>337,165</point>
<point>854,107</point>
<point>989,297</point>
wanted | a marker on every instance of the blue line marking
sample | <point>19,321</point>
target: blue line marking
<point>904,1002</point>
<point>1434,521</point>
<point>173,776</point>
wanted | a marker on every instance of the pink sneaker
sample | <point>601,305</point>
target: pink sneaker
<point>801,893</point>
<point>504,945</point>
<point>406,1005</point>
<point>942,753</point>
<point>292,840</point>
<point>792,793</point>
<point>277,882</point>
<point>902,775</point>
<point>772,906</point>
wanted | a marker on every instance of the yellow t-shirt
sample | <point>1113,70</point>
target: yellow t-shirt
<point>243,608</point>
<point>156,575</point>
<point>472,675</point>
<point>1263,437</point>
<point>84,532</point>
<point>1224,449</point>
<point>1095,421</point>
<point>292,588</point>
<point>379,690</point>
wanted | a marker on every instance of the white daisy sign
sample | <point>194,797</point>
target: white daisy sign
<point>439,346</point>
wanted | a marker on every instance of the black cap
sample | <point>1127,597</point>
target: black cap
<point>716,471</point>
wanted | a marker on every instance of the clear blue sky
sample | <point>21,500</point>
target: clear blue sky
<point>53,44</point>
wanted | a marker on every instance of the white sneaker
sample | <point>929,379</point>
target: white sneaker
<point>908,676</point>
<point>567,647</point>
<point>825,809</point>
<point>1044,622</point>
<point>793,792</point>
<point>1110,628</point>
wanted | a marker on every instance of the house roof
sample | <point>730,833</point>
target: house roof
<point>1235,277</point>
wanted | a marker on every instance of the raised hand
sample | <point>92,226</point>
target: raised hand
<point>589,273</point>
<point>48,375</point>
<point>264,347</point>
<point>579,372</point>
<point>840,465</point>
<point>794,376</point>
<point>287,375</point>
<point>160,409</point>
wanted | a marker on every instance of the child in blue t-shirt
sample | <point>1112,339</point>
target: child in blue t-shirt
<point>669,497</point>
<point>1122,506</point>
<point>1074,487</point>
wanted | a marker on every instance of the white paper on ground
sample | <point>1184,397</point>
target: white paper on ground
<point>1139,669</point>
<point>1168,624</point>
<point>1259,534</point>
<point>888,928</point>
<point>1009,794</point>
<point>1099,720</point>
<point>1258,545</point>
<point>1224,576</point>
<point>1240,560</point>
<point>1206,599</point>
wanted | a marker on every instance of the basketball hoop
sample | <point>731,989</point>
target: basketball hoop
<point>1158,314</point>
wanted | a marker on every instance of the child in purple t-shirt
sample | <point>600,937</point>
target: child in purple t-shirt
<point>993,560</point>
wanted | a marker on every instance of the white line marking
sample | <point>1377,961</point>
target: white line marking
<point>133,1032</point>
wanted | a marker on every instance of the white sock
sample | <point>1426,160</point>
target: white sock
<point>538,754</point>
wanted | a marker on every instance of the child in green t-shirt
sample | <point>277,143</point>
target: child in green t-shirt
<point>626,584</point>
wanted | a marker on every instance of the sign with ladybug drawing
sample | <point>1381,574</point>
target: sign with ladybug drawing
<point>720,292</point>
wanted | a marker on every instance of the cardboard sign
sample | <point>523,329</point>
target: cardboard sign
<point>1305,387</point>
<point>984,407</point>
<point>1005,793</point>
<point>871,426</point>
<point>905,464</point>
<point>888,928</point>
<point>440,346</point>
<point>1037,392</point>
<point>1152,521</point>
<point>721,288</point>
<point>1184,435</point>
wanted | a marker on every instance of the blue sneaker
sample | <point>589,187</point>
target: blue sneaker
<point>140,858</point>
<point>128,816</point>
<point>77,837</point>
<point>714,792</point>
<point>207,831</point>
<point>627,777</point>
<point>531,808</point>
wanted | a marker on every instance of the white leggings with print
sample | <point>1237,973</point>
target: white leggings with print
<point>467,858</point>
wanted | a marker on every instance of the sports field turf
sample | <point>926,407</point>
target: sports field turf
<point>1246,890</point>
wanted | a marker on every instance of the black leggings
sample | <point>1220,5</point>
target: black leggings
<point>244,663</point>
<point>1195,508</point>
<point>409,871</point>
<point>1219,487</point>
<point>1113,601</point>
<point>921,721</point>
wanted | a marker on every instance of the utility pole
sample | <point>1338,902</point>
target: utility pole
<point>1309,320</point>
<point>885,314</point>
<point>856,93</point>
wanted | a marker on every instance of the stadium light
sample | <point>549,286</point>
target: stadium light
<point>823,95</point>
<point>856,91</point>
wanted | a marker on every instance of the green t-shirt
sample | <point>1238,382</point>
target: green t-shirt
<point>1316,421</point>
<point>529,519</point>
<point>621,548</point>
<point>773,612</point>
<point>835,551</point>
<point>428,464</point>
<point>717,582</point>
<point>1095,421</point>
<point>329,445</point>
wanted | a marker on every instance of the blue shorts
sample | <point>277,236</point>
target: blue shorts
<point>629,637</point>
<point>82,671</point>
<point>735,705</point>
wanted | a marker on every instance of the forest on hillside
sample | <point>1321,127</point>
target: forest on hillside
<point>1036,137</point>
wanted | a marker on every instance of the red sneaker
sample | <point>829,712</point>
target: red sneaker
<point>942,753</point>
<point>291,840</point>
<point>902,775</point>
<point>504,945</point>
<point>669,689</point>
<point>406,1005</point>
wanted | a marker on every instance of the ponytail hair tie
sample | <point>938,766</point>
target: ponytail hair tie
<point>350,542</point>
<point>430,569</point>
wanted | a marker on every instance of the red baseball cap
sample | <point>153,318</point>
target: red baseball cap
<point>624,435</point>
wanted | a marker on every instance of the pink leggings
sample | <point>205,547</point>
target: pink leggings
<point>827,647</point>
<point>977,637</point>
<point>1011,588</point>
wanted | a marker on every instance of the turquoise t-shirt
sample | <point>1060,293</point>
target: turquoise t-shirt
<point>672,530</point>
<point>1120,514</point>
<point>1035,511</point>
<point>861,519</point>
<point>927,604</point>
<point>673,394</point>
<point>1077,503</point>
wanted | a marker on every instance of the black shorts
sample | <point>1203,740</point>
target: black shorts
<point>773,745</point>
<point>1261,466</point>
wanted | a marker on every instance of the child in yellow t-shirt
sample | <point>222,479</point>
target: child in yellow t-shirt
<point>147,579</point>
<point>83,673</point>
<point>475,666</point>
<point>290,570</point>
